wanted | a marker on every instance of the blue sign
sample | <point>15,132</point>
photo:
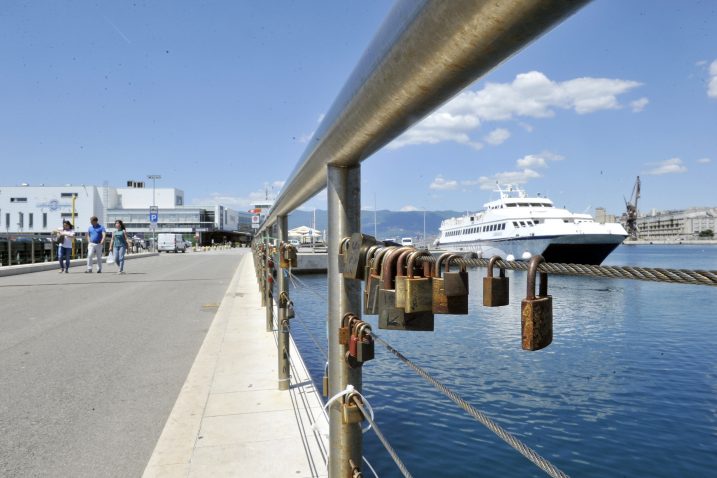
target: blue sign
<point>153,214</point>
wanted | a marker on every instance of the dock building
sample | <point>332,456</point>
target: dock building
<point>38,210</point>
<point>676,225</point>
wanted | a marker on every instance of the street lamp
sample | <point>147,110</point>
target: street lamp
<point>154,177</point>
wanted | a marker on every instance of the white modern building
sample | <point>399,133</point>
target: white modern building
<point>41,209</point>
<point>671,225</point>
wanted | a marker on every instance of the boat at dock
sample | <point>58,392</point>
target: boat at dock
<point>517,227</point>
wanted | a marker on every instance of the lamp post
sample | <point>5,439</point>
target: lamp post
<point>154,177</point>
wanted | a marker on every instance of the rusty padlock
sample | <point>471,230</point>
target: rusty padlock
<point>356,251</point>
<point>396,318</point>
<point>370,304</point>
<point>401,278</point>
<point>496,290</point>
<point>289,257</point>
<point>536,313</point>
<point>456,283</point>
<point>419,295</point>
<point>442,303</point>
<point>345,329</point>
<point>342,253</point>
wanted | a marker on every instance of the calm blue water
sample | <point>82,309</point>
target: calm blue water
<point>627,388</point>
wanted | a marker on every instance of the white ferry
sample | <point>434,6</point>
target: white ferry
<point>517,227</point>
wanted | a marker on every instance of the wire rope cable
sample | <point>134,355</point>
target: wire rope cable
<point>503,434</point>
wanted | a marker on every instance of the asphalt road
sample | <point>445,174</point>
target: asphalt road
<point>91,365</point>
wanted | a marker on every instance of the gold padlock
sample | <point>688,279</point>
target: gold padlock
<point>401,276</point>
<point>419,296</point>
<point>536,313</point>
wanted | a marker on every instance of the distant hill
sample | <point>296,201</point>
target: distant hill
<point>389,224</point>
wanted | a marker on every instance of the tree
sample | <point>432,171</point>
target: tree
<point>707,233</point>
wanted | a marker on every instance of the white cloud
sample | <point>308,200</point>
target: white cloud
<point>497,136</point>
<point>409,208</point>
<point>443,184</point>
<point>639,105</point>
<point>704,160</point>
<point>531,95</point>
<point>712,85</point>
<point>278,184</point>
<point>668,166</point>
<point>538,160</point>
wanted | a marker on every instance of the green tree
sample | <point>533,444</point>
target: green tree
<point>707,233</point>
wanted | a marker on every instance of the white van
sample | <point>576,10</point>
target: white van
<point>406,241</point>
<point>171,242</point>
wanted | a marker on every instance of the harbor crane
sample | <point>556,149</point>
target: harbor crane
<point>631,211</point>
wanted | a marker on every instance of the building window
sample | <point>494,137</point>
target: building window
<point>18,199</point>
<point>30,221</point>
<point>20,220</point>
<point>7,220</point>
<point>44,220</point>
<point>178,200</point>
<point>67,195</point>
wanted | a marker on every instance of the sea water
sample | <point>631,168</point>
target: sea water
<point>627,388</point>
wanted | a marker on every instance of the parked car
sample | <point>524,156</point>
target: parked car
<point>171,242</point>
<point>406,241</point>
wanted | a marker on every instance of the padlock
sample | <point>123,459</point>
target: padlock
<point>401,278</point>
<point>373,282</point>
<point>536,313</point>
<point>345,329</point>
<point>342,254</point>
<point>369,256</point>
<point>288,256</point>
<point>496,290</point>
<point>440,299</point>
<point>356,255</point>
<point>419,294</point>
<point>395,318</point>
<point>387,289</point>
<point>365,350</point>
<point>351,412</point>
<point>455,286</point>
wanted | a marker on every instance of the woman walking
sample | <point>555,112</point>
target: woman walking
<point>64,250</point>
<point>118,245</point>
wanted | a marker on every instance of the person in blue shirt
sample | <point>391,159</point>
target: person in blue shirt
<point>118,245</point>
<point>96,236</point>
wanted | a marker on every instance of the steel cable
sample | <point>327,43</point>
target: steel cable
<point>383,439</point>
<point>673,276</point>
<point>503,434</point>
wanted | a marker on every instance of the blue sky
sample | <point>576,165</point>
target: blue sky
<point>220,98</point>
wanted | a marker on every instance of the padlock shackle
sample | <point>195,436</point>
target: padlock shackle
<point>376,267</point>
<point>400,267</point>
<point>535,261</point>
<point>437,268</point>
<point>370,254</point>
<point>342,245</point>
<point>388,263</point>
<point>491,265</point>
<point>412,260</point>
<point>346,319</point>
<point>453,257</point>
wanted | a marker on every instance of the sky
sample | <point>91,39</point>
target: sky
<point>221,98</point>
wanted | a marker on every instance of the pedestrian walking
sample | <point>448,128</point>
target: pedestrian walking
<point>64,249</point>
<point>96,235</point>
<point>118,245</point>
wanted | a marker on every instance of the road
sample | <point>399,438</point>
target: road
<point>92,364</point>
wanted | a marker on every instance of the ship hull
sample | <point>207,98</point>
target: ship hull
<point>589,249</point>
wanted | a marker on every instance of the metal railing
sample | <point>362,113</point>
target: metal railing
<point>424,53</point>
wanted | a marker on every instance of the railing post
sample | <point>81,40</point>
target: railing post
<point>268,298</point>
<point>344,218</point>
<point>283,365</point>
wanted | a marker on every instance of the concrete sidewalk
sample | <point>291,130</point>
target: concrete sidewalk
<point>230,419</point>
<point>6,271</point>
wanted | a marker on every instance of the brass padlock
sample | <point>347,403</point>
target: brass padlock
<point>345,329</point>
<point>419,295</point>
<point>442,303</point>
<point>373,282</point>
<point>401,278</point>
<point>396,318</point>
<point>496,290</point>
<point>351,411</point>
<point>370,255</point>
<point>356,255</point>
<point>342,253</point>
<point>290,256</point>
<point>536,313</point>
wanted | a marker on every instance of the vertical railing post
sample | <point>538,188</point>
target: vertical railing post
<point>283,321</point>
<point>268,298</point>
<point>344,218</point>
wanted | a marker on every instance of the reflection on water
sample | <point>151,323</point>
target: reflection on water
<point>626,388</point>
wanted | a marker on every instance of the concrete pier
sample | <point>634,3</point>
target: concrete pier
<point>230,419</point>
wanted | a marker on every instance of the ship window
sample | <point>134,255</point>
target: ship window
<point>522,224</point>
<point>502,227</point>
<point>535,204</point>
<point>515,223</point>
<point>565,220</point>
<point>511,204</point>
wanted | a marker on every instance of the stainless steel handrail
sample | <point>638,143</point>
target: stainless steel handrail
<point>424,53</point>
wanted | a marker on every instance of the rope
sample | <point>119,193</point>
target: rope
<point>381,437</point>
<point>674,276</point>
<point>503,434</point>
